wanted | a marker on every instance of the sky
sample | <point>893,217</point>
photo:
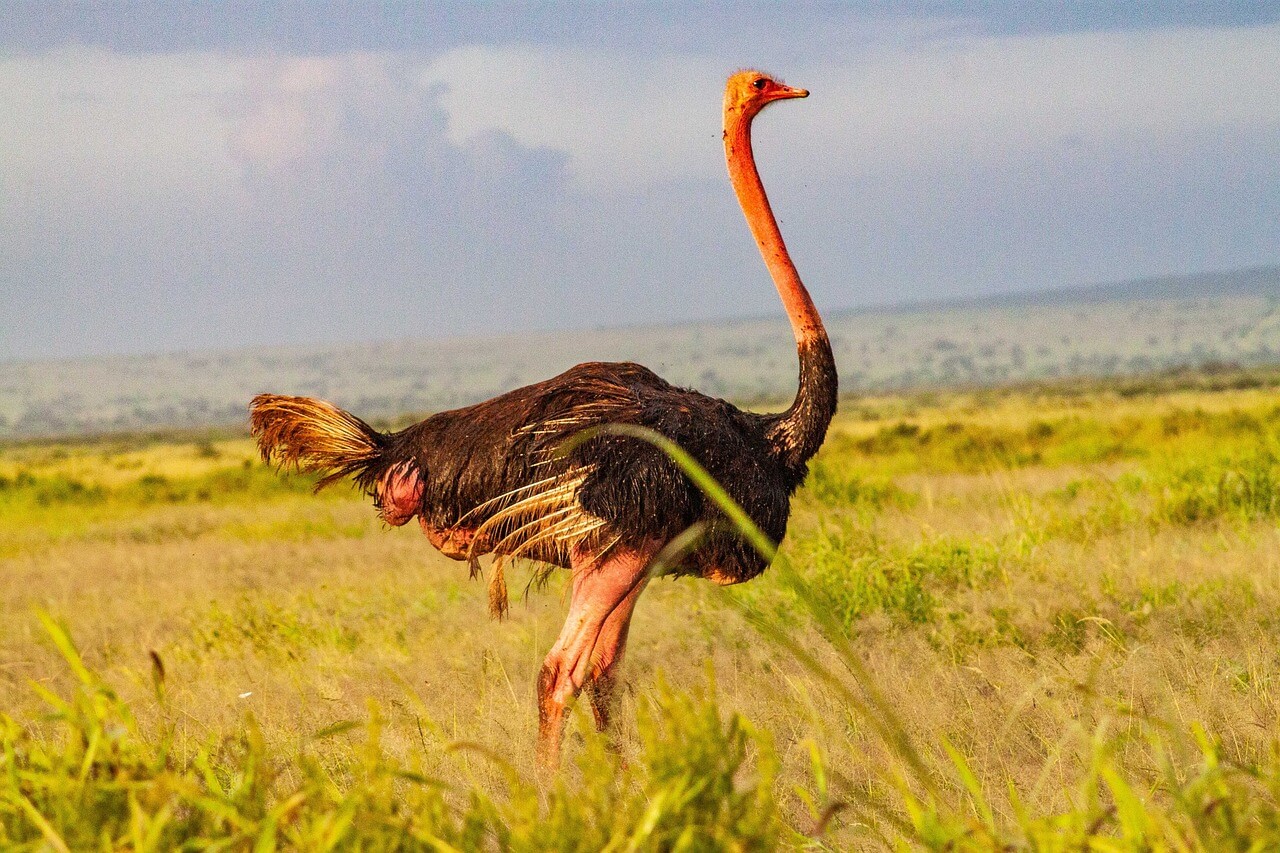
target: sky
<point>196,176</point>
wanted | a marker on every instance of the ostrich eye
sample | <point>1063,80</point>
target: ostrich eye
<point>758,83</point>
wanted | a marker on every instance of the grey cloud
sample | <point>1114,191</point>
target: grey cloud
<point>348,215</point>
<point>284,198</point>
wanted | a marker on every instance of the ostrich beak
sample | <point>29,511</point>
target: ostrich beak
<point>782,93</point>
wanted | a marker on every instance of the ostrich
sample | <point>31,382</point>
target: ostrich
<point>497,478</point>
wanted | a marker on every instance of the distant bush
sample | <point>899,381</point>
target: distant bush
<point>250,481</point>
<point>907,584</point>
<point>835,484</point>
<point>1244,486</point>
<point>206,450</point>
<point>959,446</point>
<point>56,490</point>
<point>968,446</point>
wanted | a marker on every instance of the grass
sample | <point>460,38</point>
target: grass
<point>106,784</point>
<point>1027,619</point>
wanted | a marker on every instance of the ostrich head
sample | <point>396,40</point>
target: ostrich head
<point>749,91</point>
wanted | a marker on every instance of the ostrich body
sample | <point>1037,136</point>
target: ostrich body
<point>491,478</point>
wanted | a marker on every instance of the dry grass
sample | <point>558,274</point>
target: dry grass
<point>1018,574</point>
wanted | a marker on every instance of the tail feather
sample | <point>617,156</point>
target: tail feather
<point>317,437</point>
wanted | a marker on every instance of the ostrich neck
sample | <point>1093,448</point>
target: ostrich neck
<point>798,432</point>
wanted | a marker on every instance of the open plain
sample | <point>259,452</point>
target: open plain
<point>1042,616</point>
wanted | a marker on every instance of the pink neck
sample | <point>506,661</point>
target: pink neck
<point>805,322</point>
<point>797,433</point>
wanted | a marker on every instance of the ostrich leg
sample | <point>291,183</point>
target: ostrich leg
<point>610,647</point>
<point>603,597</point>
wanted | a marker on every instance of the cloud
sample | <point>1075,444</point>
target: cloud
<point>168,200</point>
<point>159,202</point>
<point>984,100</point>
<point>938,100</point>
<point>103,122</point>
<point>89,121</point>
<point>623,122</point>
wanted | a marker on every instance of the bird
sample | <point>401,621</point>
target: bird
<point>506,476</point>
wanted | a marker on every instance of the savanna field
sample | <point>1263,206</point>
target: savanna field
<point>1042,617</point>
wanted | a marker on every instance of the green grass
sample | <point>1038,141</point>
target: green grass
<point>100,782</point>
<point>1244,486</point>
<point>702,779</point>
<point>999,621</point>
<point>249,482</point>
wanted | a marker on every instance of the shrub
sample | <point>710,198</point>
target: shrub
<point>906,583</point>
<point>834,484</point>
<point>1244,486</point>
